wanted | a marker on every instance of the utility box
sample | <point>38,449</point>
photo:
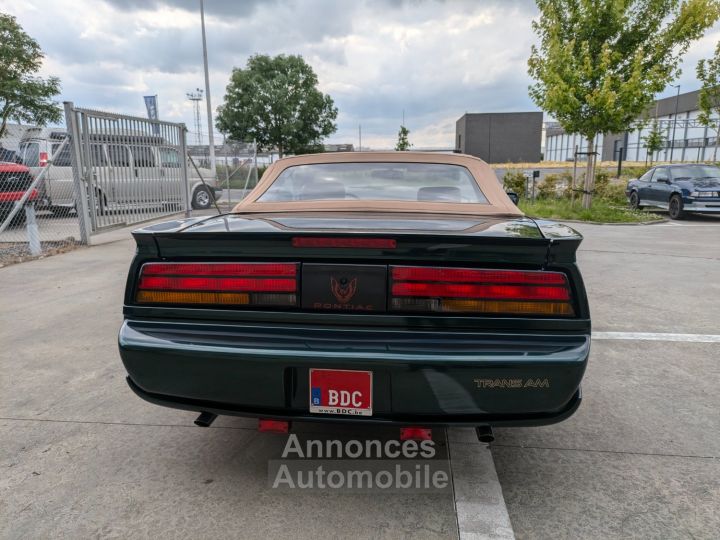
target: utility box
<point>500,137</point>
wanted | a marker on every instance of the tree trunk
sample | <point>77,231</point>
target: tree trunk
<point>716,144</point>
<point>589,173</point>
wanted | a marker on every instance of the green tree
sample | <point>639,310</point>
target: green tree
<point>654,140</point>
<point>24,97</point>
<point>276,102</point>
<point>403,143</point>
<point>708,73</point>
<point>600,62</point>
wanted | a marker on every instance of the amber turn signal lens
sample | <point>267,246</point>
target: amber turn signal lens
<point>517,308</point>
<point>171,297</point>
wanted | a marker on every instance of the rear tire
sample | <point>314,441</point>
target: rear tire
<point>675,209</point>
<point>635,201</point>
<point>202,199</point>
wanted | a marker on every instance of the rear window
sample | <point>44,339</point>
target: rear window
<point>30,154</point>
<point>63,158</point>
<point>423,182</point>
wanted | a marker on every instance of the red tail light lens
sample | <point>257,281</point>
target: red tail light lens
<point>512,292</point>
<point>355,243</point>
<point>249,284</point>
<point>43,159</point>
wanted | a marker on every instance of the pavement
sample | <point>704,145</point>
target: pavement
<point>83,457</point>
<point>641,457</point>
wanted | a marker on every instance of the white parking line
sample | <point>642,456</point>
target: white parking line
<point>479,503</point>
<point>658,336</point>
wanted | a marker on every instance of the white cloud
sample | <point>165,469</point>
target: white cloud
<point>435,60</point>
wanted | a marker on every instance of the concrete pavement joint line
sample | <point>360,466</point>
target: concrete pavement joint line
<point>477,493</point>
<point>646,253</point>
<point>658,336</point>
<point>452,481</point>
<point>626,452</point>
<point>130,424</point>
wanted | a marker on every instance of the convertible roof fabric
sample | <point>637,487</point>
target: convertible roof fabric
<point>498,202</point>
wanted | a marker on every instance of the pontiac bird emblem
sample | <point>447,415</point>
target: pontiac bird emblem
<point>343,289</point>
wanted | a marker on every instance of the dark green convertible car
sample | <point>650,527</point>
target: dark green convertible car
<point>393,288</point>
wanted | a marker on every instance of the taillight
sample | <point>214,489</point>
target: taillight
<point>43,159</point>
<point>465,290</point>
<point>226,284</point>
<point>332,242</point>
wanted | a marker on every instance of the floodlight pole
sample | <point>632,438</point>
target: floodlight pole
<point>672,143</point>
<point>211,139</point>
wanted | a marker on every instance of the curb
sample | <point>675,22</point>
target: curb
<point>654,222</point>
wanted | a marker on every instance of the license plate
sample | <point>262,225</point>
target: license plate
<point>340,391</point>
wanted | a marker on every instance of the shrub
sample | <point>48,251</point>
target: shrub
<point>614,193</point>
<point>514,181</point>
<point>548,189</point>
<point>633,172</point>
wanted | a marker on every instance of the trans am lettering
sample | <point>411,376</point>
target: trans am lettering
<point>512,383</point>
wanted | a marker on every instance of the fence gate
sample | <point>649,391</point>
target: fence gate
<point>131,169</point>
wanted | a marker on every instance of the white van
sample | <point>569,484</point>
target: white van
<point>127,169</point>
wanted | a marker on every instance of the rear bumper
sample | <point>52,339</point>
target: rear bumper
<point>419,377</point>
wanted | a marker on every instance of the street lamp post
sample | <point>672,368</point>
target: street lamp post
<point>672,143</point>
<point>211,139</point>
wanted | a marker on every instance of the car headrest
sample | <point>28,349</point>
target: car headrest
<point>439,194</point>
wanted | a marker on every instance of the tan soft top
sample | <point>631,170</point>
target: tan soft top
<point>498,201</point>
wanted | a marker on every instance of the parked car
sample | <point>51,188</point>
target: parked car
<point>679,189</point>
<point>15,180</point>
<point>128,169</point>
<point>385,287</point>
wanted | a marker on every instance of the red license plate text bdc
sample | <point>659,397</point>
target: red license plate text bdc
<point>338,391</point>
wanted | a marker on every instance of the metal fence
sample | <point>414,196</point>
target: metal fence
<point>31,223</point>
<point>60,186</point>
<point>132,169</point>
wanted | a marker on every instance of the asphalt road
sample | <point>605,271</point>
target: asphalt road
<point>83,457</point>
<point>641,457</point>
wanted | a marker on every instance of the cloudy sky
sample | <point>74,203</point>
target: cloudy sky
<point>433,59</point>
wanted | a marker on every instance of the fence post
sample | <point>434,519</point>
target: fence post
<point>184,170</point>
<point>33,232</point>
<point>255,167</point>
<point>227,172</point>
<point>81,206</point>
<point>574,177</point>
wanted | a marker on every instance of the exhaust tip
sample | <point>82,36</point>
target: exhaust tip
<point>485,434</point>
<point>205,419</point>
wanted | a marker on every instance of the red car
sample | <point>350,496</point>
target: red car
<point>15,179</point>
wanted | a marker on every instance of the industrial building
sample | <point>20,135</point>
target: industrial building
<point>686,139</point>
<point>500,137</point>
